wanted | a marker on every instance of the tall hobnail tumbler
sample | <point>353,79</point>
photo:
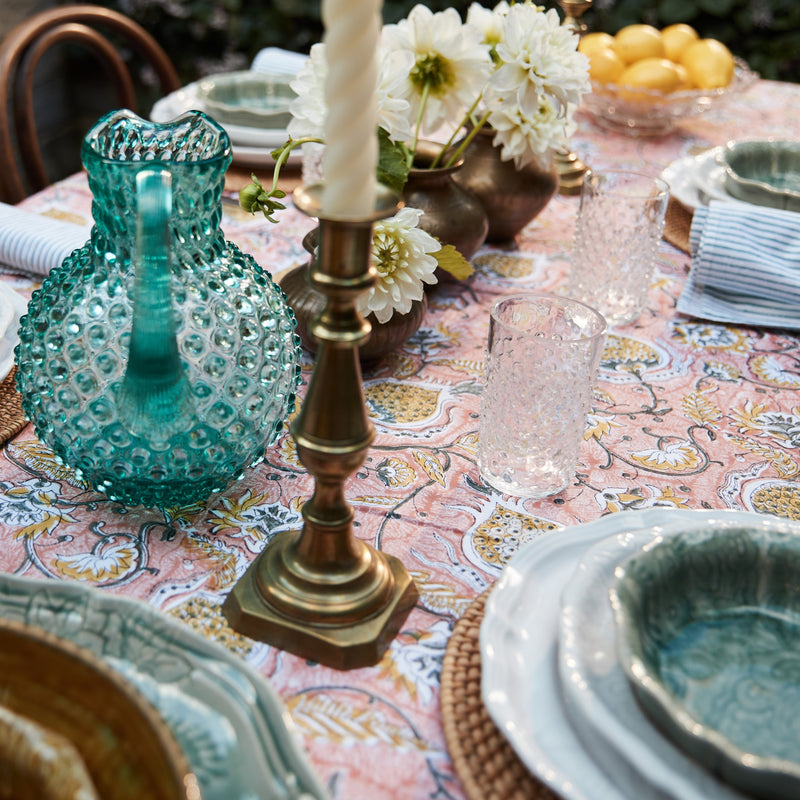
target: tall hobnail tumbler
<point>159,392</point>
<point>617,233</point>
<point>541,365</point>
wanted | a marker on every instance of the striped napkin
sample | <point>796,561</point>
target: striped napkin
<point>32,244</point>
<point>745,266</point>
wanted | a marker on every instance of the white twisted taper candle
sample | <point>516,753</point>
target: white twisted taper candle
<point>352,28</point>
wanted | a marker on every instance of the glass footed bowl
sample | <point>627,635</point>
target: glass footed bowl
<point>649,112</point>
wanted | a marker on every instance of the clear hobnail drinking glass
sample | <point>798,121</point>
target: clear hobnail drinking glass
<point>619,226</point>
<point>541,364</point>
<point>158,361</point>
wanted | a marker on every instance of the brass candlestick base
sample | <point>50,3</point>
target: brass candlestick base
<point>570,172</point>
<point>570,168</point>
<point>319,592</point>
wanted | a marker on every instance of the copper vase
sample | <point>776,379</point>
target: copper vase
<point>307,302</point>
<point>452,213</point>
<point>511,197</point>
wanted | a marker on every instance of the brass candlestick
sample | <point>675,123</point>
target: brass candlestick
<point>320,592</point>
<point>570,168</point>
<point>573,11</point>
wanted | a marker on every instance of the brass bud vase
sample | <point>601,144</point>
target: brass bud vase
<point>511,197</point>
<point>452,213</point>
<point>307,302</point>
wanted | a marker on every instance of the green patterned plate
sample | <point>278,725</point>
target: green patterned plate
<point>233,729</point>
<point>708,632</point>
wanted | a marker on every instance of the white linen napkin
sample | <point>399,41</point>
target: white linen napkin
<point>32,244</point>
<point>745,266</point>
<point>276,59</point>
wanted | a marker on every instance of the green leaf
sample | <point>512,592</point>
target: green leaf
<point>392,167</point>
<point>450,260</point>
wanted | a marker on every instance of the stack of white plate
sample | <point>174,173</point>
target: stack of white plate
<point>697,180</point>
<point>227,719</point>
<point>251,145</point>
<point>552,681</point>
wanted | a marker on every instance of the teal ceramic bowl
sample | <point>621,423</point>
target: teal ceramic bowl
<point>766,173</point>
<point>708,633</point>
<point>249,99</point>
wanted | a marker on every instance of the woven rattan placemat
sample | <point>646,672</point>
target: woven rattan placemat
<point>678,224</point>
<point>484,761</point>
<point>12,420</point>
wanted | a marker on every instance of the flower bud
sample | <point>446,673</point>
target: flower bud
<point>249,197</point>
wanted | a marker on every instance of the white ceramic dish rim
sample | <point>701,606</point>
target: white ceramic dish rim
<point>694,180</point>
<point>742,763</point>
<point>250,145</point>
<point>215,682</point>
<point>10,336</point>
<point>520,684</point>
<point>599,698</point>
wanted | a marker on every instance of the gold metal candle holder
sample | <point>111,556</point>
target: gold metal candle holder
<point>320,592</point>
<point>573,11</point>
<point>570,168</point>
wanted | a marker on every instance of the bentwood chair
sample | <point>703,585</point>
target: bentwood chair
<point>97,29</point>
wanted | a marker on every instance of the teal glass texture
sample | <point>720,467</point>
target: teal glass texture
<point>224,342</point>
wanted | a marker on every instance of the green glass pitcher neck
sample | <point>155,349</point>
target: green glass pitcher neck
<point>192,148</point>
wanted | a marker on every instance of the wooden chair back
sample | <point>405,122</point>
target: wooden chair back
<point>22,167</point>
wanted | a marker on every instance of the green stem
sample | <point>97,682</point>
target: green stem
<point>417,127</point>
<point>470,136</point>
<point>283,155</point>
<point>467,118</point>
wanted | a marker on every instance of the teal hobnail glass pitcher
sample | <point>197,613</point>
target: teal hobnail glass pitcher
<point>158,361</point>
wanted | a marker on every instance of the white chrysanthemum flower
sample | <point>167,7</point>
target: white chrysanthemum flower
<point>394,112</point>
<point>448,57</point>
<point>309,110</point>
<point>539,57</point>
<point>489,22</point>
<point>401,253</point>
<point>526,137</point>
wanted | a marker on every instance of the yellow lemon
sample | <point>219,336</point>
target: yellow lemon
<point>605,66</point>
<point>686,80</point>
<point>651,73</point>
<point>635,42</point>
<point>596,40</point>
<point>709,62</point>
<point>676,38</point>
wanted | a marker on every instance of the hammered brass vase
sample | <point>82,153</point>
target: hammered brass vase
<point>511,197</point>
<point>452,213</point>
<point>307,302</point>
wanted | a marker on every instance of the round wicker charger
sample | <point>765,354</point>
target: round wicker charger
<point>678,225</point>
<point>484,761</point>
<point>12,420</point>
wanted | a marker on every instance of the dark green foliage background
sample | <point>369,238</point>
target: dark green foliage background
<point>210,35</point>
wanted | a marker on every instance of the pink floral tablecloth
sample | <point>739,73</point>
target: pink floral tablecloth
<point>686,414</point>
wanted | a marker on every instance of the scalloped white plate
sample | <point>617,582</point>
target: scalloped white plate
<point>696,180</point>
<point>521,685</point>
<point>599,698</point>
<point>233,729</point>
